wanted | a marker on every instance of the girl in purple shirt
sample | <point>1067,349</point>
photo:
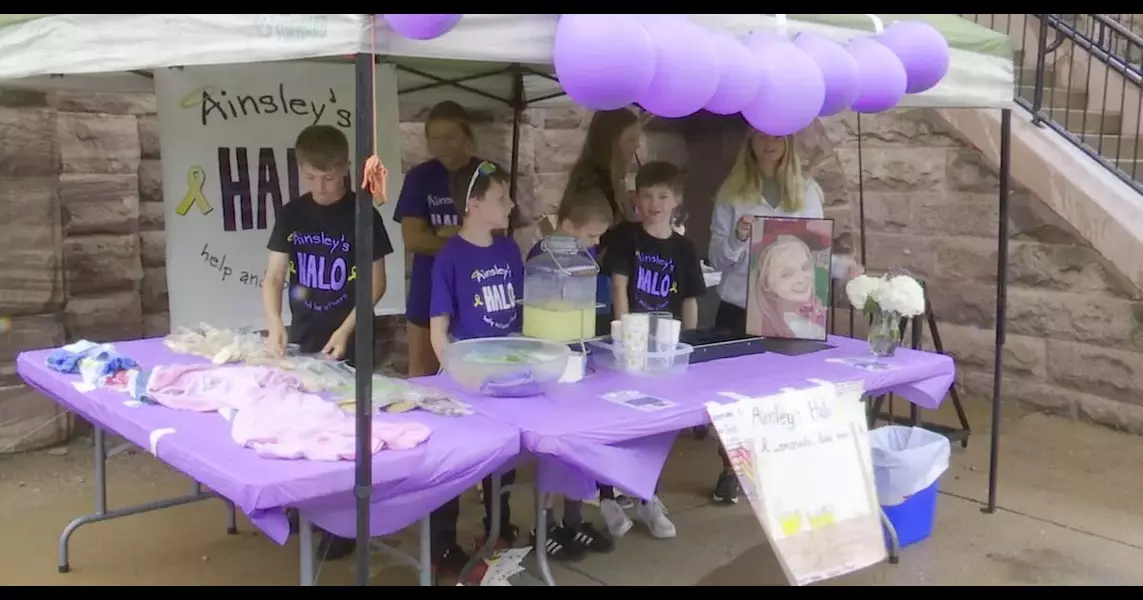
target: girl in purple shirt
<point>429,217</point>
<point>476,279</point>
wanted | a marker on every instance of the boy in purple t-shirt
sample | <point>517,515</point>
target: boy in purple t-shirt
<point>476,279</point>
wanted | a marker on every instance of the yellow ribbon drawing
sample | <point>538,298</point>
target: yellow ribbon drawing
<point>196,179</point>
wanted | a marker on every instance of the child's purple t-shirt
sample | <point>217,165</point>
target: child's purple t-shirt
<point>426,194</point>
<point>478,288</point>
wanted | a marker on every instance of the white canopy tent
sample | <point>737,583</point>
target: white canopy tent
<point>500,59</point>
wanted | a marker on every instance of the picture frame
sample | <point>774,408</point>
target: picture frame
<point>788,292</point>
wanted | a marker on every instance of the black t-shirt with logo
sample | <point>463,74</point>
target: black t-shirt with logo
<point>323,265</point>
<point>661,273</point>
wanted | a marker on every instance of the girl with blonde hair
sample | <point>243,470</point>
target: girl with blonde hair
<point>766,180</point>
<point>785,299</point>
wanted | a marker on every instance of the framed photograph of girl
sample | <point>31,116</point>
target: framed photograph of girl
<point>788,290</point>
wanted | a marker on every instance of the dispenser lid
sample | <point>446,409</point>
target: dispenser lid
<point>563,254</point>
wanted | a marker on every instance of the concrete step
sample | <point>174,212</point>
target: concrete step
<point>1115,146</point>
<point>1081,121</point>
<point>1027,76</point>
<point>1054,97</point>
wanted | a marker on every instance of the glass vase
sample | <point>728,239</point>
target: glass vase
<point>884,334</point>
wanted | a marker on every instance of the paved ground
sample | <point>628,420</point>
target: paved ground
<point>1069,496</point>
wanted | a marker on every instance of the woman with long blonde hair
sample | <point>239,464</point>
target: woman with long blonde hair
<point>766,180</point>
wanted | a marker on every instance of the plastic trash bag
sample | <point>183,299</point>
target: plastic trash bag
<point>906,460</point>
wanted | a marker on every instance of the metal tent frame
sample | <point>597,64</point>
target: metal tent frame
<point>364,64</point>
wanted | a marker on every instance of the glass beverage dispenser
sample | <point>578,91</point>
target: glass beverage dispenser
<point>559,291</point>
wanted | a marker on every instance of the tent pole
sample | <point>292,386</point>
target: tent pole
<point>1001,301</point>
<point>363,302</point>
<point>518,103</point>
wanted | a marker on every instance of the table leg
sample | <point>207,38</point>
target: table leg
<point>101,511</point>
<point>894,543</point>
<point>306,551</point>
<point>541,548</point>
<point>493,528</point>
<point>231,519</point>
<point>426,562</point>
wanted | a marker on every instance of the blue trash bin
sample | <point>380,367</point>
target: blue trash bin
<point>907,465</point>
<point>913,519</point>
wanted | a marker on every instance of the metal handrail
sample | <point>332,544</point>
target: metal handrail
<point>1103,44</point>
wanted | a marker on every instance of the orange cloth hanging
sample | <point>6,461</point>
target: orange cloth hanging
<point>375,177</point>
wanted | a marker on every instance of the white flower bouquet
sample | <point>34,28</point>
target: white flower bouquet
<point>888,299</point>
<point>900,295</point>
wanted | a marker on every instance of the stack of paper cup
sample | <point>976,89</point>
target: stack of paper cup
<point>666,338</point>
<point>636,331</point>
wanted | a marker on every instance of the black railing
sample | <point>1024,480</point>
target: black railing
<point>1104,120</point>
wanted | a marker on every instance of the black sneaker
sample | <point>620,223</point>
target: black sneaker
<point>449,562</point>
<point>592,539</point>
<point>726,490</point>
<point>561,545</point>
<point>332,547</point>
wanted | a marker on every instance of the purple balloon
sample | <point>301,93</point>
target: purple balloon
<point>923,51</point>
<point>839,70</point>
<point>881,76</point>
<point>686,73</point>
<point>792,90</point>
<point>603,62</point>
<point>739,75</point>
<point>422,27</point>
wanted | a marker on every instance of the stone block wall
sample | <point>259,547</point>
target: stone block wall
<point>1074,342</point>
<point>82,232</point>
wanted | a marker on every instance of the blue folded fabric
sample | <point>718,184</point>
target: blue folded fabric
<point>66,359</point>
<point>103,360</point>
<point>110,362</point>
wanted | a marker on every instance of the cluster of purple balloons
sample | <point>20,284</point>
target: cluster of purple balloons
<point>674,68</point>
<point>422,27</point>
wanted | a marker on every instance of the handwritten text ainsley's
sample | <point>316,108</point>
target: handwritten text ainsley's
<point>220,104</point>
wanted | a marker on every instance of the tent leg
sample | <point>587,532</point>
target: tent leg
<point>1001,302</point>
<point>518,103</point>
<point>363,302</point>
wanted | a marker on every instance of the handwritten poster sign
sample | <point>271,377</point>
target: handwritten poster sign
<point>803,460</point>
<point>227,135</point>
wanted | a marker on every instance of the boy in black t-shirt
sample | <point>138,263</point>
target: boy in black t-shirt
<point>311,246</point>
<point>653,269</point>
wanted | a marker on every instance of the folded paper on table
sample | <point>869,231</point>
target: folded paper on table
<point>802,457</point>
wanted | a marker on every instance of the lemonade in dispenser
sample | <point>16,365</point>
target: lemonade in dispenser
<point>559,291</point>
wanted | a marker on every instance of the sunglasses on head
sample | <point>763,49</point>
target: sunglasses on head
<point>484,168</point>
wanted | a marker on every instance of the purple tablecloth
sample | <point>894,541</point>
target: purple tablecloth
<point>580,438</point>
<point>407,483</point>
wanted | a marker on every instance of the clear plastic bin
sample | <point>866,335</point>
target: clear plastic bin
<point>605,355</point>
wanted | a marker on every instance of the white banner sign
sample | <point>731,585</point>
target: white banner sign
<point>802,457</point>
<point>227,134</point>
